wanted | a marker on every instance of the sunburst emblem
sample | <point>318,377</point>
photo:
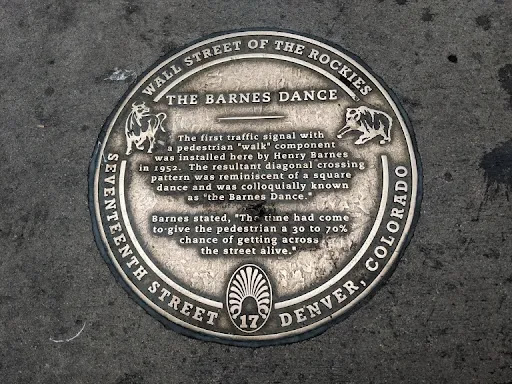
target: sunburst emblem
<point>249,298</point>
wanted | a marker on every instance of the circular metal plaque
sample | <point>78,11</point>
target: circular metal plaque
<point>254,186</point>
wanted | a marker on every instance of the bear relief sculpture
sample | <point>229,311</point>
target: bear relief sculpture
<point>369,122</point>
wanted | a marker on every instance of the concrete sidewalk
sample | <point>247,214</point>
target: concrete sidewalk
<point>443,316</point>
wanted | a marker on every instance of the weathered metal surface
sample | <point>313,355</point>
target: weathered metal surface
<point>254,186</point>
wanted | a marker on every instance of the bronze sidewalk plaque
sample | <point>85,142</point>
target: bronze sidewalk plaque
<point>254,186</point>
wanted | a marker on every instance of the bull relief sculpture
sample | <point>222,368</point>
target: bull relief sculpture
<point>141,125</point>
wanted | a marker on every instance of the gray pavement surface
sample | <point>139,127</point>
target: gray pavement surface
<point>444,315</point>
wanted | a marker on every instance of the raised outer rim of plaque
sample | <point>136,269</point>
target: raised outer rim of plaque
<point>360,301</point>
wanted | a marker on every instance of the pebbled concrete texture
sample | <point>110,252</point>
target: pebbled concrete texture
<point>443,316</point>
